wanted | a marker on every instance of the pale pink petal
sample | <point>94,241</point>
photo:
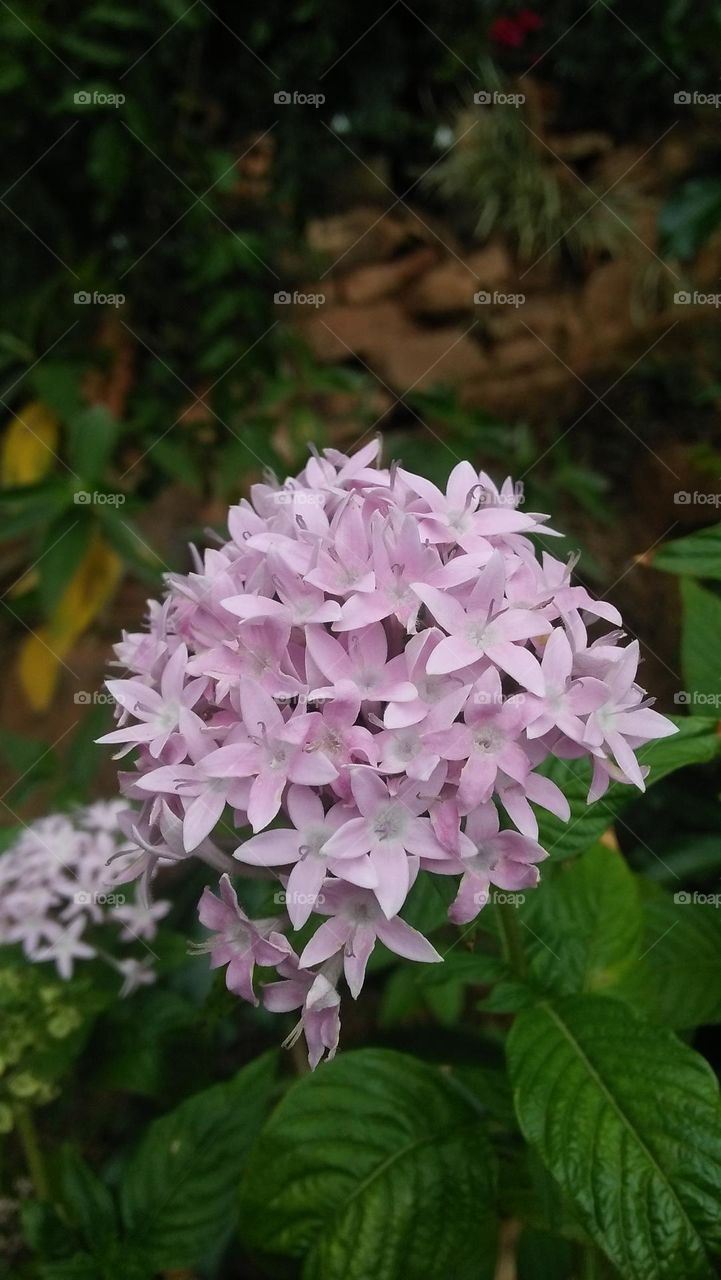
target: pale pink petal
<point>265,797</point>
<point>201,816</point>
<point>305,807</point>
<point>349,841</point>
<point>557,659</point>
<point>301,892</point>
<point>327,940</point>
<point>369,791</point>
<point>260,713</point>
<point>355,870</point>
<point>447,612</point>
<point>406,941</point>
<point>356,958</point>
<point>270,849</point>
<point>390,863</point>
<point>452,654</point>
<point>519,663</point>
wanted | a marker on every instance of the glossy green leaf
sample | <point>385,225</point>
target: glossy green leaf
<point>696,743</point>
<point>698,554</point>
<point>178,1193</point>
<point>375,1166</point>
<point>701,646</point>
<point>582,927</point>
<point>87,1201</point>
<point>677,979</point>
<point>628,1121</point>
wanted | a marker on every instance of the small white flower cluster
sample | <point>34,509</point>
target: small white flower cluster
<point>59,898</point>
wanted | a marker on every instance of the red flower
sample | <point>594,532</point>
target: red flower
<point>512,32</point>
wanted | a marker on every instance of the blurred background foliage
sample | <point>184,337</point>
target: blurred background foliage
<point>156,197</point>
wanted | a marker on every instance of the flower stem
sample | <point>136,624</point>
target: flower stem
<point>30,1144</point>
<point>589,1263</point>
<point>511,938</point>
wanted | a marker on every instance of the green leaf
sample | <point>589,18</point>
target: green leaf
<point>29,508</point>
<point>129,543</point>
<point>677,979</point>
<point>583,925</point>
<point>94,52</point>
<point>33,762</point>
<point>542,1256</point>
<point>64,546</point>
<point>689,216</point>
<point>93,435</point>
<point>119,1260</point>
<point>80,762</point>
<point>57,383</point>
<point>508,997</point>
<point>113,17</point>
<point>87,1200</point>
<point>701,644</point>
<point>689,857</point>
<point>376,1165</point>
<point>490,1086</point>
<point>82,1266</point>
<point>698,554</point>
<point>137,1040</point>
<point>628,1121</point>
<point>695,743</point>
<point>475,967</point>
<point>176,458</point>
<point>45,1229</point>
<point>178,1194</point>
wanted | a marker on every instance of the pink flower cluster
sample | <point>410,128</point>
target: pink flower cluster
<point>369,673</point>
<point>59,897</point>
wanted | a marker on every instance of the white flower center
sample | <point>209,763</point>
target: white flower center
<point>483,861</point>
<point>167,717</point>
<point>480,634</point>
<point>389,823</point>
<point>313,840</point>
<point>487,740</point>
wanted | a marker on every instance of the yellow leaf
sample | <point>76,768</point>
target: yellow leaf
<point>43,652</point>
<point>27,582</point>
<point>29,445</point>
<point>38,669</point>
<point>92,584</point>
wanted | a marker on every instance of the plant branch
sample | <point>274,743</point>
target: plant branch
<point>30,1143</point>
<point>511,938</point>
